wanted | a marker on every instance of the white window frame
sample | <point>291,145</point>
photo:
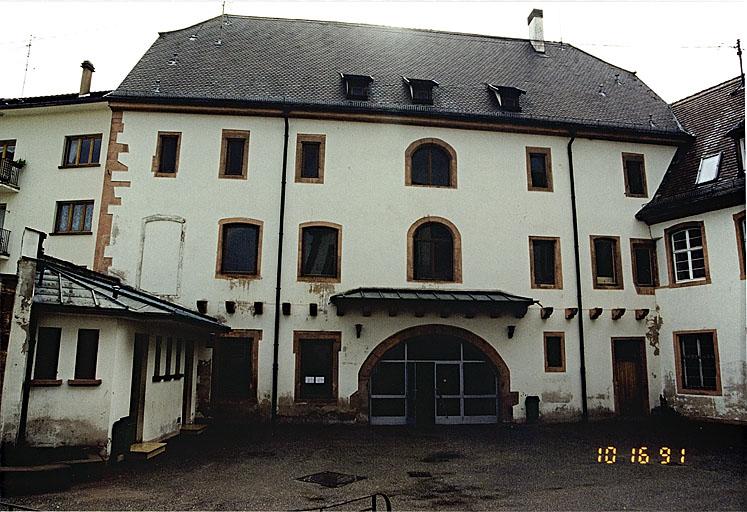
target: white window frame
<point>688,250</point>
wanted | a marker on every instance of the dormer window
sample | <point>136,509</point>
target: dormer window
<point>356,86</point>
<point>507,97</point>
<point>421,91</point>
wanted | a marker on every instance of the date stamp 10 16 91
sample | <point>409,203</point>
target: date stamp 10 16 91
<point>641,455</point>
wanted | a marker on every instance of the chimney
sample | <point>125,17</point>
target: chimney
<point>536,31</point>
<point>85,79</point>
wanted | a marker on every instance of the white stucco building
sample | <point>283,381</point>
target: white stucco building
<point>398,226</point>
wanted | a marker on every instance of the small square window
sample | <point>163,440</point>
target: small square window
<point>508,97</point>
<point>708,170</point>
<point>421,91</point>
<point>74,217</point>
<point>554,351</point>
<point>357,86</point>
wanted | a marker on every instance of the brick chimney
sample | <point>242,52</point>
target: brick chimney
<point>85,79</point>
<point>536,30</point>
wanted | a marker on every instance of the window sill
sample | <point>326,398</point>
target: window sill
<point>319,279</point>
<point>636,196</point>
<point>312,181</point>
<point>539,189</point>
<point>220,275</point>
<point>685,284</point>
<point>79,166</point>
<point>645,289</point>
<point>84,382</point>
<point>421,185</point>
<point>232,176</point>
<point>46,382</point>
<point>164,174</point>
<point>72,233</point>
<point>699,392</point>
<point>536,286</point>
<point>598,286</point>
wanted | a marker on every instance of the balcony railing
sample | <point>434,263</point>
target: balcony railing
<point>9,173</point>
<point>4,239</point>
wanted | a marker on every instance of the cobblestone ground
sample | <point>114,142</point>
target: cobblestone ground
<point>507,467</point>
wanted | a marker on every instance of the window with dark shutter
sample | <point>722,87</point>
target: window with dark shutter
<point>310,150</point>
<point>86,354</point>
<point>539,169</point>
<point>431,166</point>
<point>235,157</point>
<point>554,351</point>
<point>545,263</point>
<point>606,262</point>
<point>645,273</point>
<point>168,153</point>
<point>433,258</point>
<point>310,159</point>
<point>635,175</point>
<point>319,251</point>
<point>234,154</point>
<point>47,353</point>
<point>240,248</point>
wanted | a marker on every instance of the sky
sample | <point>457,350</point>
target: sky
<point>677,48</point>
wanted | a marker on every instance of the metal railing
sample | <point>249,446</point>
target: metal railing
<point>4,240</point>
<point>9,172</point>
<point>371,499</point>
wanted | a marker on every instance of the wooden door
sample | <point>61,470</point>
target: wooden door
<point>137,386</point>
<point>630,376</point>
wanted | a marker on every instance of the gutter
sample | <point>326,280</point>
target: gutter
<point>579,298</point>
<point>276,334</point>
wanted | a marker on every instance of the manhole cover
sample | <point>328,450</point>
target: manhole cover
<point>419,474</point>
<point>330,479</point>
<point>441,457</point>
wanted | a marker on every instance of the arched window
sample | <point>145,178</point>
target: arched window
<point>239,248</point>
<point>430,163</point>
<point>319,252</point>
<point>434,250</point>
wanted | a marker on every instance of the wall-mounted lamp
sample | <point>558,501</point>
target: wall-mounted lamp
<point>358,329</point>
<point>230,307</point>
<point>511,329</point>
<point>202,306</point>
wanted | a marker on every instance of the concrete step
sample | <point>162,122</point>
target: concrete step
<point>193,429</point>
<point>18,480</point>
<point>146,451</point>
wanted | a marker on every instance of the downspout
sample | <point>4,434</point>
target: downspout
<point>276,335</point>
<point>579,298</point>
<point>26,390</point>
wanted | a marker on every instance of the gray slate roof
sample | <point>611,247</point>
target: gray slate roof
<point>281,62</point>
<point>61,284</point>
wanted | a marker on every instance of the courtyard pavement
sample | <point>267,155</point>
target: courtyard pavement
<point>505,467</point>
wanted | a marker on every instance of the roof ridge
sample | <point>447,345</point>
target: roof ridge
<point>359,24</point>
<point>706,91</point>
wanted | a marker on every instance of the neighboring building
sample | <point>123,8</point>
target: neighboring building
<point>454,238</point>
<point>697,217</point>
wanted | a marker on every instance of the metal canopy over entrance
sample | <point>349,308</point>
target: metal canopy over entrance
<point>443,302</point>
<point>434,379</point>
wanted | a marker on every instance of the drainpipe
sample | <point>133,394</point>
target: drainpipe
<point>579,299</point>
<point>276,336</point>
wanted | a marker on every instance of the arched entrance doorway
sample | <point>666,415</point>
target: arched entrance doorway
<point>435,374</point>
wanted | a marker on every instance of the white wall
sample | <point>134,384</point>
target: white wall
<point>719,305</point>
<point>40,138</point>
<point>364,191</point>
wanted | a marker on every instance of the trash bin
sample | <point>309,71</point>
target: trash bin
<point>532,404</point>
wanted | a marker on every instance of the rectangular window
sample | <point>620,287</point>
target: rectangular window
<point>635,175</point>
<point>645,271</point>
<point>7,150</point>
<point>319,252</point>
<point>606,262</point>
<point>310,158</point>
<point>86,354</point>
<point>166,161</point>
<point>157,360</point>
<point>687,254</point>
<point>316,365</point>
<point>554,351</point>
<point>239,249</point>
<point>82,150</point>
<point>739,226</point>
<point>169,354</point>
<point>47,353</point>
<point>545,264</point>
<point>74,217</point>
<point>708,170</point>
<point>234,155</point>
<point>697,362</point>
<point>539,169</point>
